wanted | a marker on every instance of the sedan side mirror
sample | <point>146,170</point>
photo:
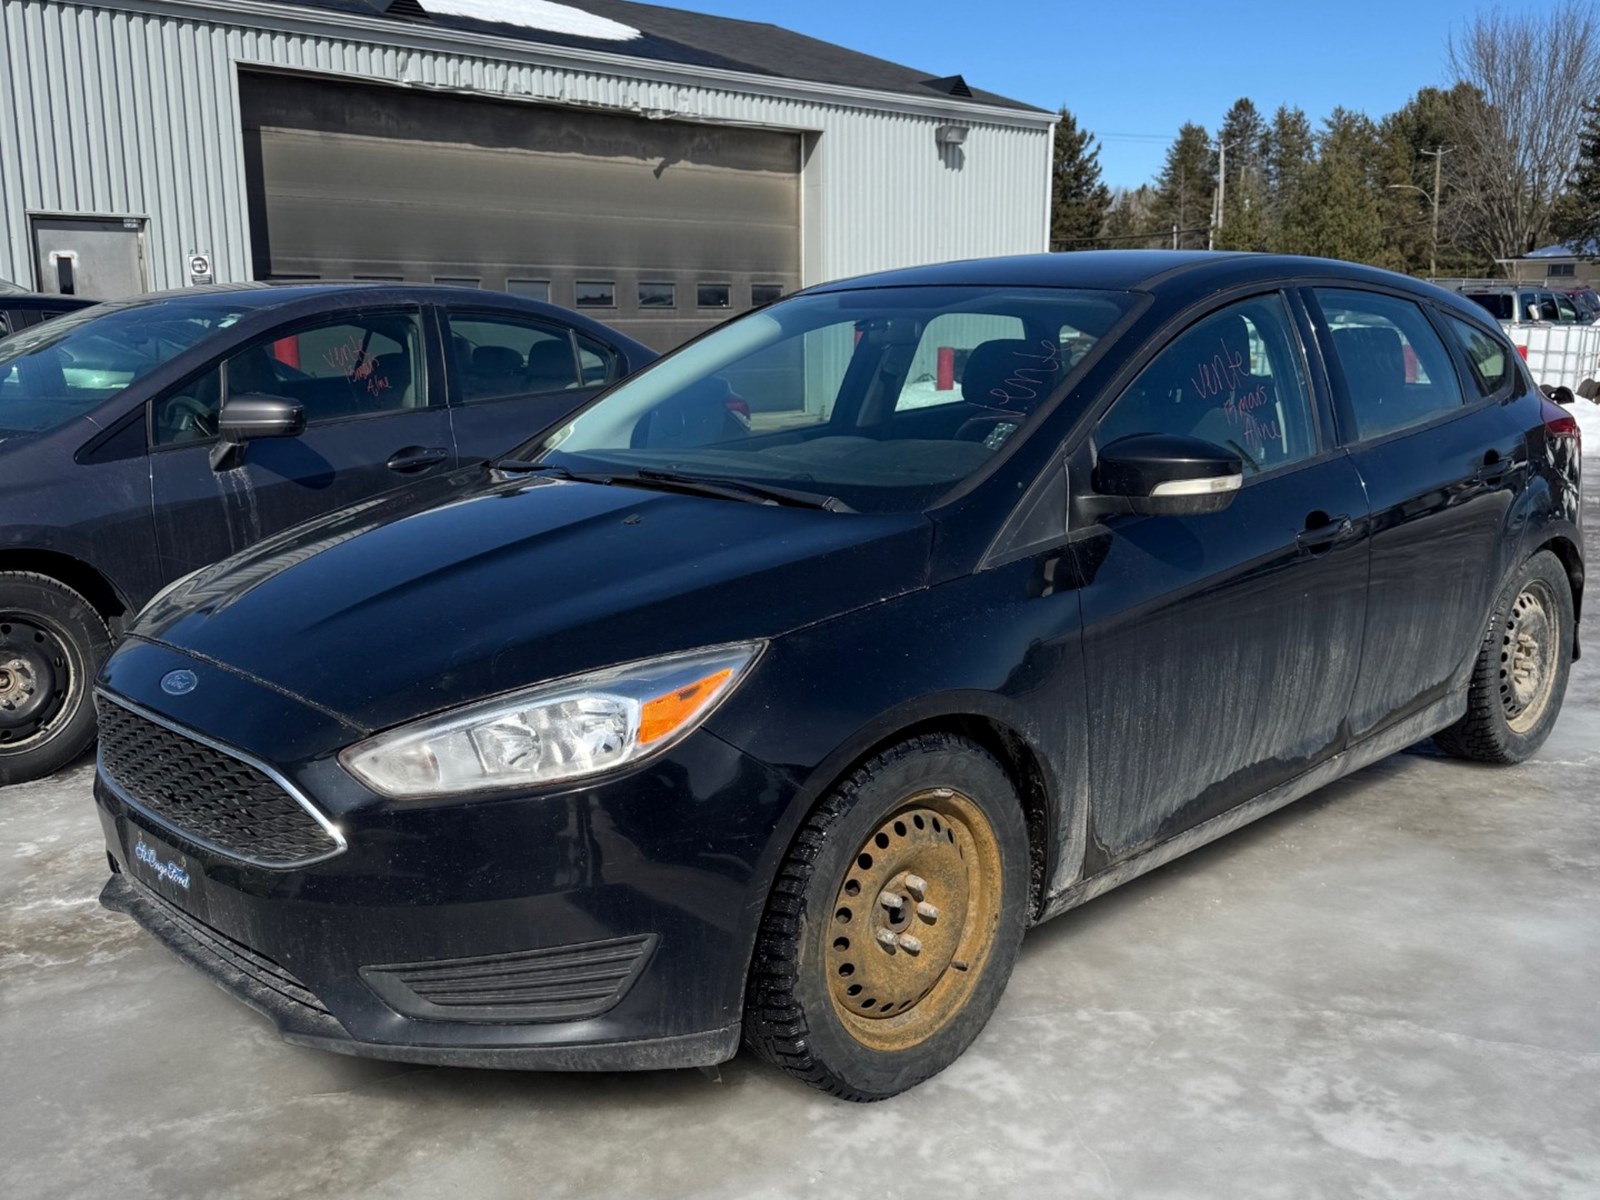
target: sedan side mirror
<point>250,417</point>
<point>1159,474</point>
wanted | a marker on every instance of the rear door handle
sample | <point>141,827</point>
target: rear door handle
<point>417,458</point>
<point>1324,535</point>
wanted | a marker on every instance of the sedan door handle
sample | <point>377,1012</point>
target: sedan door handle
<point>1493,472</point>
<point>1321,537</point>
<point>417,458</point>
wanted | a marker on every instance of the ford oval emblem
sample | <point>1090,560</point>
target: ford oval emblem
<point>178,683</point>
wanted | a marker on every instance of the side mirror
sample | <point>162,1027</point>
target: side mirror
<point>1158,474</point>
<point>1561,395</point>
<point>251,417</point>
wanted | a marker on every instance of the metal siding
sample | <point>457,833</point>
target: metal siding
<point>136,113</point>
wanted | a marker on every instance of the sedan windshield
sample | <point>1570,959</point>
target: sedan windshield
<point>880,399</point>
<point>64,368</point>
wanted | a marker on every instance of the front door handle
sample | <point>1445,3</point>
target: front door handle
<point>1321,532</point>
<point>417,458</point>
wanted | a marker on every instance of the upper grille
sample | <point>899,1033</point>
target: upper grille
<point>562,983</point>
<point>211,797</point>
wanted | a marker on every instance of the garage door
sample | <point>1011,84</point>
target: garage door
<point>659,228</point>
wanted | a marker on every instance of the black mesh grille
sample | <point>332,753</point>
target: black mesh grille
<point>563,983</point>
<point>213,797</point>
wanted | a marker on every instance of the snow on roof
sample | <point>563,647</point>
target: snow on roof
<point>1566,250</point>
<point>545,15</point>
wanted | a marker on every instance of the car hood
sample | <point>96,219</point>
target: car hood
<point>448,592</point>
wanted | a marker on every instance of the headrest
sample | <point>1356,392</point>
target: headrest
<point>550,364</point>
<point>1372,356</point>
<point>496,360</point>
<point>1013,374</point>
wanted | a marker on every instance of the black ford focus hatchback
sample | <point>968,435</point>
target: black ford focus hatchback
<point>776,693</point>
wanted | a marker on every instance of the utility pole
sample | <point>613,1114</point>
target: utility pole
<point>1438,153</point>
<point>1218,212</point>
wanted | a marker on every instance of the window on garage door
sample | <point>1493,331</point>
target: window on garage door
<point>495,355</point>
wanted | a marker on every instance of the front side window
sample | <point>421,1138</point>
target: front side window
<point>54,372</point>
<point>1486,355</point>
<point>495,356</point>
<point>804,394</point>
<point>1235,379</point>
<point>358,367</point>
<point>1397,372</point>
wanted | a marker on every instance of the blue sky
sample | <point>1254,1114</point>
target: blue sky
<point>1143,67</point>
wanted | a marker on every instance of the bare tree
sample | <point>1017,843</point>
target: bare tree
<point>1518,121</point>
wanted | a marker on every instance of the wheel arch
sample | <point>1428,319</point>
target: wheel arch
<point>1571,557</point>
<point>90,583</point>
<point>976,719</point>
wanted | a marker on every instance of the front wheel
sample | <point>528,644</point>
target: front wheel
<point>52,642</point>
<point>1520,676</point>
<point>894,922</point>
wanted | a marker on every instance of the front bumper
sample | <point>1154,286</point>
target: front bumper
<point>607,927</point>
<point>302,1020</point>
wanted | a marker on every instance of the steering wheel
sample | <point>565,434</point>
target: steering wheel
<point>185,413</point>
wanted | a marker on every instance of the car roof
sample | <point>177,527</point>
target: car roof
<point>258,295</point>
<point>1132,270</point>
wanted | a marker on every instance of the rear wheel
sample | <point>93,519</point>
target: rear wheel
<point>1520,677</point>
<point>894,922</point>
<point>52,643</point>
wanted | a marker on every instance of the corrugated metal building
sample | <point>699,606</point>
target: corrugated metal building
<point>660,167</point>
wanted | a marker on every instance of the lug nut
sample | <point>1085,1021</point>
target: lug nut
<point>927,911</point>
<point>917,886</point>
<point>893,901</point>
<point>910,944</point>
<point>888,938</point>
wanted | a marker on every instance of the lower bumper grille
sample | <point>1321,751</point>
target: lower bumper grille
<point>563,983</point>
<point>248,974</point>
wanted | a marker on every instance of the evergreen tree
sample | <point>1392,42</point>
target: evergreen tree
<point>1244,225</point>
<point>1078,198</point>
<point>1287,153</point>
<point>1577,218</point>
<point>1336,212</point>
<point>1408,140</point>
<point>1185,188</point>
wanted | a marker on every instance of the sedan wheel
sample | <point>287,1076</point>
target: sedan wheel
<point>52,643</point>
<point>1520,676</point>
<point>894,922</point>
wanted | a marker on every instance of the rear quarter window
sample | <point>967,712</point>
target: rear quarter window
<point>1487,357</point>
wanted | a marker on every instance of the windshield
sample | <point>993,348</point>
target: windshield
<point>59,370</point>
<point>883,398</point>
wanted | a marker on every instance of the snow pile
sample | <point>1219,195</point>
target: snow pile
<point>1588,414</point>
<point>544,15</point>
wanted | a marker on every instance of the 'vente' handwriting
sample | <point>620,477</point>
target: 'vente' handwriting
<point>351,359</point>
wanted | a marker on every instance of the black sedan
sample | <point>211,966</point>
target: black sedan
<point>142,440</point>
<point>684,726</point>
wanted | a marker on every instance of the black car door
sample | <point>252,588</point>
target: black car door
<point>513,376</point>
<point>375,418</point>
<point>1220,651</point>
<point>1441,475</point>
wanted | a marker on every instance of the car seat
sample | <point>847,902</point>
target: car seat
<point>1011,377</point>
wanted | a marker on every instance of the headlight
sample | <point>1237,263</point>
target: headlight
<point>554,732</point>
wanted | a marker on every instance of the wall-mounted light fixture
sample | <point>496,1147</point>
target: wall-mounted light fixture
<point>950,135</point>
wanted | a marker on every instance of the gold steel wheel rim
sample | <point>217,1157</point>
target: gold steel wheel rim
<point>1528,648</point>
<point>913,921</point>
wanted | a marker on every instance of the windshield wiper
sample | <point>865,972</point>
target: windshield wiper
<point>726,489</point>
<point>741,489</point>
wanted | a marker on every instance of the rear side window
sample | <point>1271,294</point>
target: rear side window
<point>1487,357</point>
<point>600,363</point>
<point>499,356</point>
<point>1397,372</point>
<point>1234,379</point>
